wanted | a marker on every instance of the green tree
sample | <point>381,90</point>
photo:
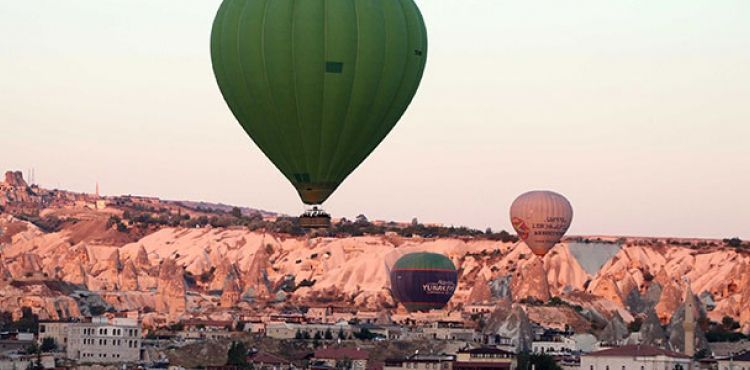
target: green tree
<point>361,219</point>
<point>635,325</point>
<point>704,353</point>
<point>121,227</point>
<point>48,345</point>
<point>328,335</point>
<point>29,322</point>
<point>539,361</point>
<point>202,221</point>
<point>733,242</point>
<point>36,365</point>
<point>32,349</point>
<point>237,212</point>
<point>729,324</point>
<point>98,310</point>
<point>237,355</point>
<point>113,220</point>
<point>364,334</point>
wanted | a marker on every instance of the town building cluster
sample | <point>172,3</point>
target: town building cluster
<point>345,338</point>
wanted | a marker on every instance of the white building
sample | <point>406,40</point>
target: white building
<point>636,357</point>
<point>372,317</point>
<point>585,342</point>
<point>318,314</point>
<point>105,341</point>
<point>561,345</point>
<point>58,331</point>
<point>421,362</point>
<point>255,327</point>
<point>24,362</point>
<point>447,330</point>
<point>554,346</point>
<point>485,359</point>
<point>735,362</point>
<point>333,357</point>
<point>479,308</point>
<point>283,330</point>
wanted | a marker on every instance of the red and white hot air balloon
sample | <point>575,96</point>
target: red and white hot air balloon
<point>541,218</point>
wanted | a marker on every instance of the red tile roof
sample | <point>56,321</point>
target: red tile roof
<point>636,350</point>
<point>212,323</point>
<point>267,358</point>
<point>342,353</point>
<point>481,365</point>
<point>486,350</point>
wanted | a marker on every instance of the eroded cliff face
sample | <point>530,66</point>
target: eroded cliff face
<point>14,189</point>
<point>212,271</point>
<point>511,321</point>
<point>171,289</point>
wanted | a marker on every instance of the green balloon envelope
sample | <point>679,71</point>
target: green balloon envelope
<point>423,281</point>
<point>318,84</point>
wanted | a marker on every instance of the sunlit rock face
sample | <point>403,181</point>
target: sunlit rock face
<point>207,271</point>
<point>511,321</point>
<point>171,291</point>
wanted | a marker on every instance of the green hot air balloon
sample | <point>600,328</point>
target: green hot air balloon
<point>318,84</point>
<point>423,281</point>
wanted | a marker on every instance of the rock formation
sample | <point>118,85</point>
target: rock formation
<point>171,291</point>
<point>110,277</point>
<point>676,331</point>
<point>129,277</point>
<point>13,188</point>
<point>26,266</point>
<point>671,296</point>
<point>231,291</point>
<point>651,331</point>
<point>500,287</point>
<point>223,270</point>
<point>256,278</point>
<point>5,275</point>
<point>530,281</point>
<point>480,292</point>
<point>606,286</point>
<point>512,322</point>
<point>615,331</point>
<point>15,179</point>
<point>141,259</point>
<point>353,270</point>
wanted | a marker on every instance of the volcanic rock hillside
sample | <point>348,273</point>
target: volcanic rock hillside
<point>92,260</point>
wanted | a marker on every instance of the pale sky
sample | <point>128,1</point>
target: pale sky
<point>638,111</point>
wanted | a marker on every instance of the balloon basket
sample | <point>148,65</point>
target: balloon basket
<point>315,218</point>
